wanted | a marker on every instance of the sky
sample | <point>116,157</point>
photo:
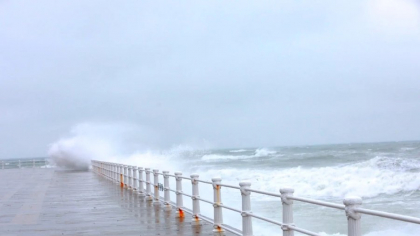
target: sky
<point>214,74</point>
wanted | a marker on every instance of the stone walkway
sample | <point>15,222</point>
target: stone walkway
<point>51,202</point>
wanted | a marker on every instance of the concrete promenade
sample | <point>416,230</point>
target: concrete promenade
<point>51,202</point>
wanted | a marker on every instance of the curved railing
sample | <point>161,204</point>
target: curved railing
<point>126,176</point>
<point>25,163</point>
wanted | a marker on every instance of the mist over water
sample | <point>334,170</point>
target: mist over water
<point>386,175</point>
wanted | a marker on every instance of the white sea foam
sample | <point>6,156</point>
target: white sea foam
<point>264,152</point>
<point>369,178</point>
<point>336,234</point>
<point>239,150</point>
<point>261,152</point>
<point>217,157</point>
<point>409,230</point>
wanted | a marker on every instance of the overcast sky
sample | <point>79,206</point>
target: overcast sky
<point>227,73</point>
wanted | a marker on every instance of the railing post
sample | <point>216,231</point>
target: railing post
<point>141,186</point>
<point>126,176</point>
<point>2,164</point>
<point>117,174</point>
<point>156,185</point>
<point>195,200</point>
<point>287,210</point>
<point>148,183</point>
<point>105,170</point>
<point>130,177</point>
<point>19,165</point>
<point>217,198</point>
<point>246,209</point>
<point>108,168</point>
<point>121,172</point>
<point>135,170</point>
<point>179,196</point>
<point>167,203</point>
<point>353,217</point>
<point>33,163</point>
<point>116,177</point>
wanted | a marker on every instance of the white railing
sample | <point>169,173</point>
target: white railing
<point>126,176</point>
<point>18,164</point>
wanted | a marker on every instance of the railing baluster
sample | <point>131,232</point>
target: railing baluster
<point>167,204</point>
<point>107,170</point>
<point>287,211</point>
<point>116,174</point>
<point>135,171</point>
<point>179,196</point>
<point>121,172</point>
<point>353,218</point>
<point>217,198</point>
<point>132,177</point>
<point>246,209</point>
<point>148,183</point>
<point>126,176</point>
<point>141,186</point>
<point>195,201</point>
<point>156,185</point>
<point>110,174</point>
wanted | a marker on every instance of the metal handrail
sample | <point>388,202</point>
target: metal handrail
<point>317,202</point>
<point>25,163</point>
<point>388,215</point>
<point>121,174</point>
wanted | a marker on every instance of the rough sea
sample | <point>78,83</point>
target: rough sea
<point>385,175</point>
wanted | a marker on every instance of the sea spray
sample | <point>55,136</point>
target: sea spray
<point>121,143</point>
<point>79,147</point>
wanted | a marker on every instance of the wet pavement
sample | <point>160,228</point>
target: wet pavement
<point>51,202</point>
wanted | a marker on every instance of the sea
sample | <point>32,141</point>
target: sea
<point>385,175</point>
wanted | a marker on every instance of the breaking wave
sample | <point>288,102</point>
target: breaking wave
<point>264,152</point>
<point>239,150</point>
<point>379,175</point>
<point>214,157</point>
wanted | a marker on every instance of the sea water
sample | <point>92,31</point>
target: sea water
<point>385,175</point>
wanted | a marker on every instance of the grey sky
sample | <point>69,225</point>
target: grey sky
<point>231,73</point>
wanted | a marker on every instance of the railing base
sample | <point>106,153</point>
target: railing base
<point>196,221</point>
<point>156,203</point>
<point>217,232</point>
<point>167,207</point>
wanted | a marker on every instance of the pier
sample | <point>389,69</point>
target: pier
<point>44,202</point>
<point>117,199</point>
